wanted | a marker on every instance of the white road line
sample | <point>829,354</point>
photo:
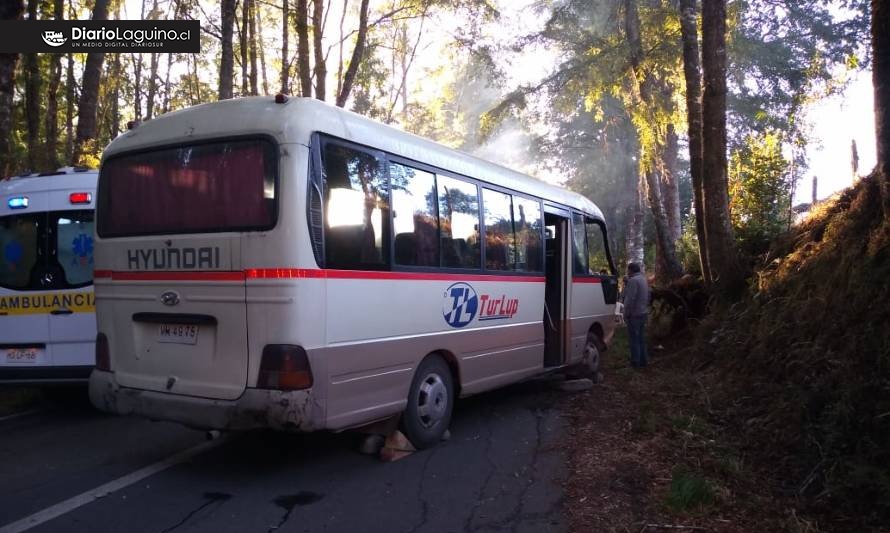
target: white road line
<point>18,415</point>
<point>101,491</point>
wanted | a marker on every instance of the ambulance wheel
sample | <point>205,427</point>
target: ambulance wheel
<point>430,402</point>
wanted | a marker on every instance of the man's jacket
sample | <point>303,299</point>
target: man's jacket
<point>636,296</point>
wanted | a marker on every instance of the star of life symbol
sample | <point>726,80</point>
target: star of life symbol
<point>82,246</point>
<point>460,305</point>
<point>54,38</point>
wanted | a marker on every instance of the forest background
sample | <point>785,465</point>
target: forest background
<point>595,95</point>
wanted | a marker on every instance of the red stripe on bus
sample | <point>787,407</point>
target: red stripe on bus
<point>586,280</point>
<point>179,276</point>
<point>279,273</point>
<point>304,273</point>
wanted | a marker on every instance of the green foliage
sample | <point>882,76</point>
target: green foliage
<point>688,250</point>
<point>759,191</point>
<point>688,491</point>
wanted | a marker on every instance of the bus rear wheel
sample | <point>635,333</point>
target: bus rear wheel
<point>430,403</point>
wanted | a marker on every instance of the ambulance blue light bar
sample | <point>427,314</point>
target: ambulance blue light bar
<point>17,202</point>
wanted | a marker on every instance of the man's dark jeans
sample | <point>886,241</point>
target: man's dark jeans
<point>636,332</point>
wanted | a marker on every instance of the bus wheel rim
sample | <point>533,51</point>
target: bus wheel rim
<point>432,400</point>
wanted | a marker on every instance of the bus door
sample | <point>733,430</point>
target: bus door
<point>556,304</point>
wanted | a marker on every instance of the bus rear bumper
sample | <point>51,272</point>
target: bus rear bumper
<point>296,411</point>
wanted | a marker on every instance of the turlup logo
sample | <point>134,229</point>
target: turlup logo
<point>54,38</point>
<point>460,305</point>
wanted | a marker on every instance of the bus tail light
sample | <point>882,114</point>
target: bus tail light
<point>103,354</point>
<point>284,367</point>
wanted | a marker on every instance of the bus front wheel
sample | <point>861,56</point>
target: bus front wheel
<point>430,402</point>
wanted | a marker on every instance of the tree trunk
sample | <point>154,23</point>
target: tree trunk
<point>152,88</point>
<point>692,74</point>
<point>303,68</point>
<point>321,70</point>
<point>227,58</point>
<point>51,128</point>
<point>85,142</point>
<point>634,242</point>
<point>722,253</point>
<point>251,39</point>
<point>137,86</point>
<point>285,53</point>
<point>340,47</point>
<point>9,10</point>
<point>243,42</point>
<point>166,107</point>
<point>357,53</point>
<point>258,38</point>
<point>69,111</point>
<point>880,32</point>
<point>114,123</point>
<point>33,97</point>
<point>670,184</point>
<point>669,267</point>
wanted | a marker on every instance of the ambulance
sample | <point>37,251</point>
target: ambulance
<point>47,306</point>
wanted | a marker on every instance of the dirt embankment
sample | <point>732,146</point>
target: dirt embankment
<point>772,415</point>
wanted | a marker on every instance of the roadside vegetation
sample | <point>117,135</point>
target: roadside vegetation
<point>773,414</point>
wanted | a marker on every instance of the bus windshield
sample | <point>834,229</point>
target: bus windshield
<point>198,188</point>
<point>48,250</point>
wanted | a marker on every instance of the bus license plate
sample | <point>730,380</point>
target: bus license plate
<point>22,355</point>
<point>178,333</point>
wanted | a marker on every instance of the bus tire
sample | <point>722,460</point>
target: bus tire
<point>430,403</point>
<point>591,360</point>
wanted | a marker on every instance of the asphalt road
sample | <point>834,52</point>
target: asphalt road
<point>502,470</point>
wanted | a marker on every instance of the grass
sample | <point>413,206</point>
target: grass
<point>689,491</point>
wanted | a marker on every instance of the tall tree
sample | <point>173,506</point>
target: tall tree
<point>880,32</point>
<point>722,253</point>
<point>321,70</point>
<point>69,110</point>
<point>9,10</point>
<point>285,53</point>
<point>33,98</point>
<point>357,53</point>
<point>303,68</point>
<point>52,97</point>
<point>243,39</point>
<point>645,85</point>
<point>85,149</point>
<point>692,75</point>
<point>227,57</point>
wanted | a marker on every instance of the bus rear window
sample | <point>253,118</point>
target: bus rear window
<point>201,188</point>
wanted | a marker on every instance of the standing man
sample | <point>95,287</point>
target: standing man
<point>636,312</point>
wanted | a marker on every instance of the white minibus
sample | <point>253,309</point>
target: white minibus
<point>47,310</point>
<point>283,263</point>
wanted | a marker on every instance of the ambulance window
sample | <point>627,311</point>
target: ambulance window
<point>74,245</point>
<point>527,223</point>
<point>18,249</point>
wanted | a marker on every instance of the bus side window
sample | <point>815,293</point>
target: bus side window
<point>579,245</point>
<point>415,223</point>
<point>596,249</point>
<point>527,224</point>
<point>500,243</point>
<point>356,208</point>
<point>459,223</point>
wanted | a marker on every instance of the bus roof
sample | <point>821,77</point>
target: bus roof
<point>297,119</point>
